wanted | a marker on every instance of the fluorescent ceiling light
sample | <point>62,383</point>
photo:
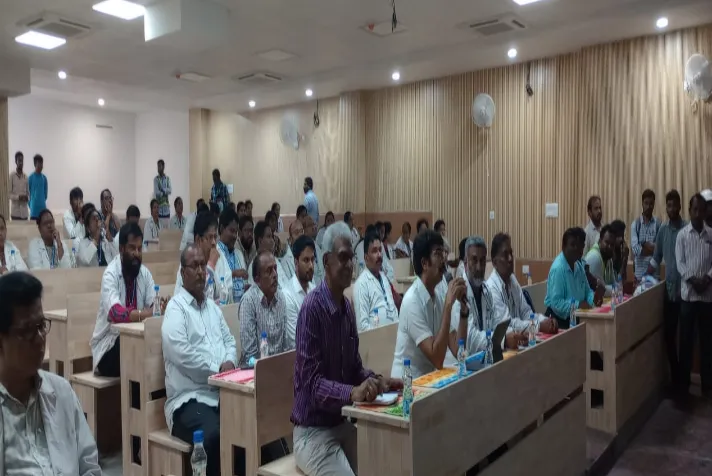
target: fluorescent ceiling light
<point>662,22</point>
<point>309,93</point>
<point>525,2</point>
<point>121,9</point>
<point>512,53</point>
<point>395,76</point>
<point>40,40</point>
<point>252,103</point>
<point>101,102</point>
<point>62,75</point>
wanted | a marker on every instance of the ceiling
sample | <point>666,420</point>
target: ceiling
<point>332,53</point>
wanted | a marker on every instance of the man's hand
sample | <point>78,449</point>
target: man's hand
<point>598,295</point>
<point>514,339</point>
<point>456,291</point>
<point>213,258</point>
<point>389,384</point>
<point>650,271</point>
<point>60,247</point>
<point>366,392</point>
<point>549,326</point>
<point>3,270</point>
<point>240,273</point>
<point>226,366</point>
<point>648,249</point>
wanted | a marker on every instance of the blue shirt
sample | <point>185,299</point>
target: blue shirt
<point>312,204</point>
<point>37,183</point>
<point>564,284</point>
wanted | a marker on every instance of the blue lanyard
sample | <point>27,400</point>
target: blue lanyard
<point>52,264</point>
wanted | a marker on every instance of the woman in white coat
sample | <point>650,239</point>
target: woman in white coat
<point>48,251</point>
<point>95,249</point>
<point>10,259</point>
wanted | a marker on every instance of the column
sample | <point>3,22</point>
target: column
<point>4,159</point>
<point>198,120</point>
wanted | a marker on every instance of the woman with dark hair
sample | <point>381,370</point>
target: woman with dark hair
<point>95,249</point>
<point>10,259</point>
<point>404,245</point>
<point>328,220</point>
<point>48,251</point>
<point>421,225</point>
<point>152,228</point>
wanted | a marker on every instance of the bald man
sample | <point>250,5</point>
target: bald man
<point>296,229</point>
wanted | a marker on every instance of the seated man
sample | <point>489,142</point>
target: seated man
<point>133,214</point>
<point>311,232</point>
<point>73,220</point>
<point>127,295</point>
<point>296,229</point>
<point>404,245</point>
<point>152,227</point>
<point>106,212</point>
<point>425,329</point>
<point>197,344</point>
<point>187,238</point>
<point>567,280</point>
<point>386,266</point>
<point>301,283</point>
<point>600,259</point>
<point>44,430</point>
<point>245,243</point>
<point>206,236</point>
<point>178,220</point>
<point>48,251</point>
<point>508,298</point>
<point>372,291</point>
<point>328,372</point>
<point>263,309</point>
<point>228,228</point>
<point>621,250</point>
<point>264,241</point>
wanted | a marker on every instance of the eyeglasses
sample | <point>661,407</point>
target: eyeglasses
<point>197,266</point>
<point>30,332</point>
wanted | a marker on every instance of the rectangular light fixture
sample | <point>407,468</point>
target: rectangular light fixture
<point>40,40</point>
<point>120,8</point>
<point>525,2</point>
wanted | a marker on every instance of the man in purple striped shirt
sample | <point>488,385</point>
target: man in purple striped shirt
<point>328,372</point>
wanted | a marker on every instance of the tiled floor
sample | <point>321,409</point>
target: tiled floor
<point>677,440</point>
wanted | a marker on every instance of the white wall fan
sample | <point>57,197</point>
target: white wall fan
<point>483,110</point>
<point>289,131</point>
<point>698,78</point>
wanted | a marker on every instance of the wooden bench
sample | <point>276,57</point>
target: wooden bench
<point>161,256</point>
<point>168,455</point>
<point>170,240</point>
<point>87,387</point>
<point>286,466</point>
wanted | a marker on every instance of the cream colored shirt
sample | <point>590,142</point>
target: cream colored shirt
<point>294,297</point>
<point>370,294</point>
<point>18,186</point>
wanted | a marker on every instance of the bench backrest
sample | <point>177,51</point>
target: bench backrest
<point>402,267</point>
<point>537,292</point>
<point>161,257</point>
<point>274,395</point>
<point>165,272</point>
<point>377,347</point>
<point>170,240</point>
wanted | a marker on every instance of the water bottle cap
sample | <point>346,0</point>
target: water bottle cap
<point>12,252</point>
<point>264,334</point>
<point>489,333</point>
<point>198,437</point>
<point>222,279</point>
<point>532,316</point>
<point>73,249</point>
<point>406,362</point>
<point>156,288</point>
<point>375,310</point>
<point>461,342</point>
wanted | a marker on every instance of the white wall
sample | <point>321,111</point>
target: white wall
<point>77,153</point>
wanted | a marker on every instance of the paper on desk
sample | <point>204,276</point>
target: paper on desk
<point>237,375</point>
<point>383,399</point>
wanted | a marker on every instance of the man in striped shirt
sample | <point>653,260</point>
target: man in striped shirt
<point>693,251</point>
<point>310,199</point>
<point>328,372</point>
<point>643,232</point>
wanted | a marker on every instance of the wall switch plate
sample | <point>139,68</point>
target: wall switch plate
<point>525,269</point>
<point>491,214</point>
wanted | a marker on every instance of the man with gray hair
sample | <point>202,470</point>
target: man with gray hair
<point>328,371</point>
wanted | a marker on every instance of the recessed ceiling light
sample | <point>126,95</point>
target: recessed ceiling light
<point>252,103</point>
<point>309,93</point>
<point>40,40</point>
<point>525,2</point>
<point>512,53</point>
<point>62,75</point>
<point>662,22</point>
<point>121,9</point>
<point>101,102</point>
<point>395,76</point>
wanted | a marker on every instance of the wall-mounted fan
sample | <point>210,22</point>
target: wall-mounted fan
<point>698,77</point>
<point>483,110</point>
<point>289,131</point>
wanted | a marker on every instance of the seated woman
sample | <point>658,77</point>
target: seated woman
<point>10,259</point>
<point>97,248</point>
<point>152,228</point>
<point>404,245</point>
<point>48,251</point>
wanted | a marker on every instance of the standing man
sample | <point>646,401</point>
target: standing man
<point>665,252</point>
<point>707,195</point>
<point>162,191</point>
<point>310,200</point>
<point>693,251</point>
<point>38,187</point>
<point>107,215</point>
<point>301,284</point>
<point>600,259</point>
<point>372,291</point>
<point>219,193</point>
<point>19,190</point>
<point>328,371</point>
<point>73,221</point>
<point>644,230</point>
<point>593,229</point>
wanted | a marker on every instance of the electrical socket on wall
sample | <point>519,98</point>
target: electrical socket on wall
<point>491,214</point>
<point>525,269</point>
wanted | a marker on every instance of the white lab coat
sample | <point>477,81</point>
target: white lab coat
<point>222,270</point>
<point>87,256</point>
<point>39,258</point>
<point>74,228</point>
<point>476,335</point>
<point>510,305</point>
<point>368,295</point>
<point>19,262</point>
<point>72,449</point>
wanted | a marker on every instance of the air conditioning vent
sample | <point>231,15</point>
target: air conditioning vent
<point>55,25</point>
<point>497,26</point>
<point>258,78</point>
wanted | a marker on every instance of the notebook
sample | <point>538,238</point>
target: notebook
<point>237,376</point>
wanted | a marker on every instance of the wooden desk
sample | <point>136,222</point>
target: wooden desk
<point>403,284</point>
<point>625,359</point>
<point>453,429</point>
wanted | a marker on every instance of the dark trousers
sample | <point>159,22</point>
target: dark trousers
<point>194,416</point>
<point>562,323</point>
<point>671,318</point>
<point>692,315</point>
<point>110,363</point>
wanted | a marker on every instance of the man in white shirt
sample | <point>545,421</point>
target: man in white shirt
<point>301,283</point>
<point>178,220</point>
<point>197,344</point>
<point>355,237</point>
<point>372,291</point>
<point>425,330</point>
<point>127,295</point>
<point>507,297</point>
<point>311,232</point>
<point>39,409</point>
<point>206,238</point>
<point>296,229</point>
<point>593,228</point>
<point>48,251</point>
<point>693,251</point>
<point>188,235</point>
<point>73,223</point>
<point>404,245</point>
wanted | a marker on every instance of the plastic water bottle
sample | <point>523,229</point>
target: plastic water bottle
<point>489,357</point>
<point>199,458</point>
<point>264,348</point>
<point>461,358</point>
<point>74,257</point>
<point>529,279</point>
<point>13,263</point>
<point>375,321</point>
<point>224,293</point>
<point>239,289</point>
<point>210,291</point>
<point>619,282</point>
<point>572,313</point>
<point>532,330</point>
<point>156,302</point>
<point>407,388</point>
